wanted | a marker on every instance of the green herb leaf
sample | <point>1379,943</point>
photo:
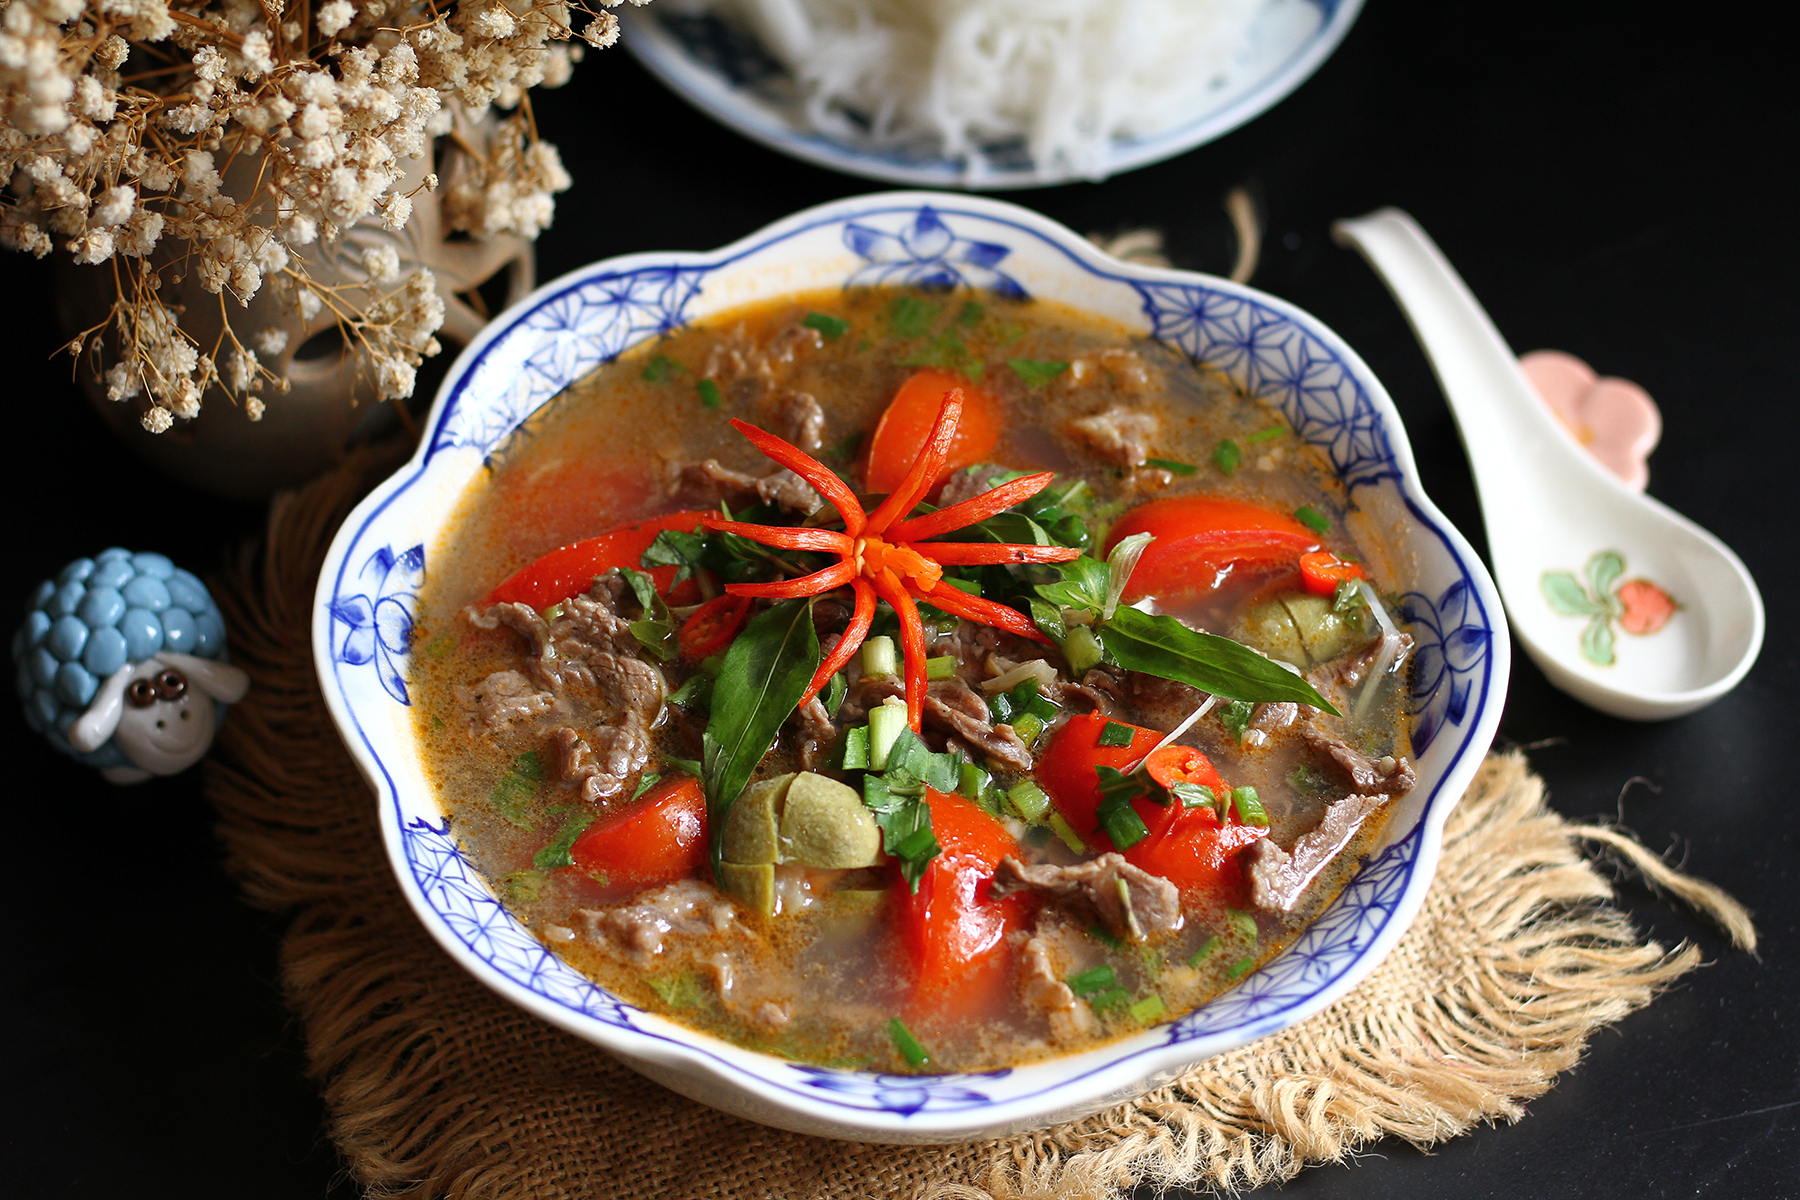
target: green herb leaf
<point>1036,372</point>
<point>1048,618</point>
<point>1236,718</point>
<point>696,692</point>
<point>830,328</point>
<point>649,781</point>
<point>513,791</point>
<point>523,887</point>
<point>1084,585</point>
<point>685,765</point>
<point>913,757</point>
<point>908,1045</point>
<point>662,368</point>
<point>1148,1009</point>
<point>656,631</point>
<point>766,670</point>
<point>946,351</point>
<point>709,393</point>
<point>1193,795</point>
<point>1115,734</point>
<point>1110,999</point>
<point>909,316</point>
<point>1312,518</point>
<point>1243,924</point>
<point>834,694</point>
<point>1226,456</point>
<point>846,450</point>
<point>677,991</point>
<point>1171,466</point>
<point>672,548</point>
<point>1347,597</point>
<point>1274,431</point>
<point>1105,937</point>
<point>1207,947</point>
<point>971,314</point>
<point>1164,647</point>
<point>1566,595</point>
<point>556,854</point>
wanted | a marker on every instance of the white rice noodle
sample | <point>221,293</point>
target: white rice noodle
<point>1390,646</point>
<point>1186,724</point>
<point>1066,76</point>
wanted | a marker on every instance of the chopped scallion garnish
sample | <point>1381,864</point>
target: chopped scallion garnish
<point>1110,999</point>
<point>908,1045</point>
<point>1249,806</point>
<point>856,748</point>
<point>1028,800</point>
<point>1148,1009</point>
<point>1243,924</point>
<point>1115,734</point>
<point>1274,431</point>
<point>1105,937</point>
<point>1094,979</point>
<point>1240,968</point>
<point>830,328</point>
<point>1059,825</point>
<point>942,667</point>
<point>709,393</point>
<point>1171,466</point>
<point>1036,372</point>
<point>879,657</point>
<point>885,723</point>
<point>1206,948</point>
<point>1029,727</point>
<point>1227,456</point>
<point>1312,518</point>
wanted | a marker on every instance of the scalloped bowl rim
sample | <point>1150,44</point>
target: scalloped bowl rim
<point>858,1105</point>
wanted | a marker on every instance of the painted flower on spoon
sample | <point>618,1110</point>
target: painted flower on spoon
<point>886,555</point>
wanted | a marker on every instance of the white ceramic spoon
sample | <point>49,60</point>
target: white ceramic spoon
<point>1581,560</point>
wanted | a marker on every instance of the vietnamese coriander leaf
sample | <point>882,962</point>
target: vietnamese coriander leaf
<point>1120,563</point>
<point>896,798</point>
<point>557,853</point>
<point>1163,646</point>
<point>766,670</point>
<point>1083,585</point>
<point>672,548</point>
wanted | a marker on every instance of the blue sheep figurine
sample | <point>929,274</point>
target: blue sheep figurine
<point>121,665</point>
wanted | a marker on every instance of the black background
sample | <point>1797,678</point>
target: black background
<point>1612,179</point>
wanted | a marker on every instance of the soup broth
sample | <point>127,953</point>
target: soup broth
<point>570,716</point>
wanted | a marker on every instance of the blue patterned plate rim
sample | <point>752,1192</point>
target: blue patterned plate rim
<point>762,120</point>
<point>1462,632</point>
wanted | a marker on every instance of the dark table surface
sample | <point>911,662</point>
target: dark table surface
<point>1607,177</point>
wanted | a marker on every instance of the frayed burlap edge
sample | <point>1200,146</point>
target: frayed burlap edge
<point>435,1087</point>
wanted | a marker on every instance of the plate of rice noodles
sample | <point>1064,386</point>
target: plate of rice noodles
<point>985,94</point>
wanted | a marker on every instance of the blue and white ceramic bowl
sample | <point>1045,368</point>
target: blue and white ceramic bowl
<point>725,73</point>
<point>363,621</point>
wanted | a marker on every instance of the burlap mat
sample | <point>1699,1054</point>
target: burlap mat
<point>436,1087</point>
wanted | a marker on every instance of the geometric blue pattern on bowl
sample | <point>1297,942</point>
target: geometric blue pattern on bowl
<point>367,603</point>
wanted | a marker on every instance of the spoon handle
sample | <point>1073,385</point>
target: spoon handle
<point>1502,421</point>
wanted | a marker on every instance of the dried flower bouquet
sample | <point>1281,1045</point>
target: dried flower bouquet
<point>219,138</point>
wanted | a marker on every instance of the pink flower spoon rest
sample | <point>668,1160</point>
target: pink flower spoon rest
<point>1624,603</point>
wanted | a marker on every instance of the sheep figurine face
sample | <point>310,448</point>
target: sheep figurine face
<point>160,713</point>
<point>121,664</point>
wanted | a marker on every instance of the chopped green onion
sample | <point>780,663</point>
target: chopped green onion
<point>662,368</point>
<point>649,781</point>
<point>885,724</point>
<point>1312,518</point>
<point>971,313</point>
<point>1105,937</point>
<point>1206,948</point>
<point>1227,456</point>
<point>920,843</point>
<point>856,748</point>
<point>1082,649</point>
<point>830,328</point>
<point>1249,806</point>
<point>941,667</point>
<point>1147,1009</point>
<point>1243,924</point>
<point>1274,431</point>
<point>1059,825</point>
<point>1036,371</point>
<point>709,393</point>
<point>1115,734</point>
<point>553,612</point>
<point>1028,800</point>
<point>1241,968</point>
<point>908,1045</point>
<point>1094,979</point>
<point>556,854</point>
<point>879,657</point>
<point>1171,466</point>
<point>1122,823</point>
<point>972,782</point>
<point>1029,727</point>
<point>1110,999</point>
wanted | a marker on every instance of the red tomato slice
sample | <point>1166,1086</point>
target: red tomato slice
<point>570,570</point>
<point>903,428</point>
<point>658,838</point>
<point>1198,855</point>
<point>1322,571</point>
<point>712,626</point>
<point>953,931</point>
<point>1066,773</point>
<point>1199,536</point>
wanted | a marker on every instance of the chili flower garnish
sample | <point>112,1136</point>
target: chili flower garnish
<point>883,556</point>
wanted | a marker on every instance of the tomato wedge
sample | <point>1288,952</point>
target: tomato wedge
<point>656,839</point>
<point>1066,773</point>
<point>1321,571</point>
<point>1198,854</point>
<point>1198,537</point>
<point>569,570</point>
<point>954,932</point>
<point>903,428</point>
<point>712,626</point>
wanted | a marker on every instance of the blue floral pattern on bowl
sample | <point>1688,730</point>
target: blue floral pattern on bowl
<point>368,597</point>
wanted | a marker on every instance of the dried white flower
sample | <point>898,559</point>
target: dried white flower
<point>309,304</point>
<point>121,383</point>
<point>334,17</point>
<point>157,419</point>
<point>258,52</point>
<point>114,206</point>
<point>253,408</point>
<point>382,263</point>
<point>272,341</point>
